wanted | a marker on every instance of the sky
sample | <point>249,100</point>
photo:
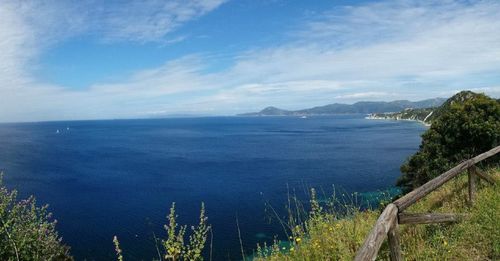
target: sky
<point>91,59</point>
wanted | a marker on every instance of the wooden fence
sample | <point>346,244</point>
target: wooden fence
<point>387,225</point>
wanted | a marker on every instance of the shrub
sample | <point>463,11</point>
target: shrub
<point>27,232</point>
<point>468,124</point>
<point>175,247</point>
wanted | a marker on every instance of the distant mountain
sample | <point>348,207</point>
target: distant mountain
<point>273,111</point>
<point>426,115</point>
<point>358,107</point>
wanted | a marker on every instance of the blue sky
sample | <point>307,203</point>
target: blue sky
<point>65,60</point>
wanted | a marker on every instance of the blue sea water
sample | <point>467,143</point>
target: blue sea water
<point>119,177</point>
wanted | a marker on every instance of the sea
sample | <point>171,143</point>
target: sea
<point>120,177</point>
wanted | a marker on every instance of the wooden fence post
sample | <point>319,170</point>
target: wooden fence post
<point>385,222</point>
<point>472,184</point>
<point>394,243</point>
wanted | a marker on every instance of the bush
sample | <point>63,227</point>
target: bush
<point>175,247</point>
<point>468,124</point>
<point>27,232</point>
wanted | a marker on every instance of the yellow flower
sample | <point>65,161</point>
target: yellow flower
<point>298,239</point>
<point>292,249</point>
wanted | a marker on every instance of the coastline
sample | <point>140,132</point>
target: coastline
<point>372,116</point>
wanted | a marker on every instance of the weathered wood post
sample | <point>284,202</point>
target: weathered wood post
<point>385,222</point>
<point>394,243</point>
<point>472,184</point>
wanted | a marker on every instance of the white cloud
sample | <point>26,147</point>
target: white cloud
<point>387,50</point>
<point>150,20</point>
<point>365,95</point>
<point>26,28</point>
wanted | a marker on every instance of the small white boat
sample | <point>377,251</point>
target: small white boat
<point>303,117</point>
<point>57,131</point>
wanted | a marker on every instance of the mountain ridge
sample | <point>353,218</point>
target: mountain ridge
<point>358,107</point>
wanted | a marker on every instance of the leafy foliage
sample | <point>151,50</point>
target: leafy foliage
<point>27,232</point>
<point>468,124</point>
<point>175,247</point>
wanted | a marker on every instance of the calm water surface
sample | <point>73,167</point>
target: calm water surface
<point>106,178</point>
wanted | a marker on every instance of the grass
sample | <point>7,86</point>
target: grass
<point>326,236</point>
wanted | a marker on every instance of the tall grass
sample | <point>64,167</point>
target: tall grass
<point>330,228</point>
<point>327,235</point>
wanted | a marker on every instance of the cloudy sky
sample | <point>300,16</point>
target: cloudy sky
<point>90,59</point>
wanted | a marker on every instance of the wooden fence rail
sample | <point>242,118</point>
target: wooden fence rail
<point>387,225</point>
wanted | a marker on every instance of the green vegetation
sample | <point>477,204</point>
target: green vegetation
<point>466,125</point>
<point>175,247</point>
<point>325,236</point>
<point>477,237</point>
<point>27,232</point>
<point>333,229</point>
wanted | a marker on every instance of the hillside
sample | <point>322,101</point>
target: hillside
<point>426,115</point>
<point>476,237</point>
<point>359,107</point>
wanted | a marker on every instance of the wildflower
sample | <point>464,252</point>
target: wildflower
<point>292,249</point>
<point>298,240</point>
